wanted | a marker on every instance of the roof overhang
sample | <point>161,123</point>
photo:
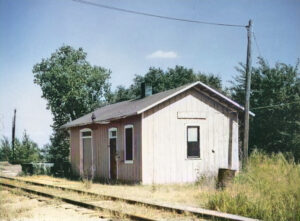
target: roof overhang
<point>204,88</point>
<point>107,121</point>
<point>199,86</point>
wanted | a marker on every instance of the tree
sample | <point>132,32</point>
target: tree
<point>164,80</point>
<point>45,153</point>
<point>122,94</point>
<point>5,150</point>
<point>26,151</point>
<point>72,88</point>
<point>275,99</point>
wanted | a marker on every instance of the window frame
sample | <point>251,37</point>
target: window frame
<point>125,148</point>
<point>112,129</point>
<point>81,148</point>
<point>187,142</point>
<point>86,130</point>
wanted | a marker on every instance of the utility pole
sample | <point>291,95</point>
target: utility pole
<point>247,94</point>
<point>13,135</point>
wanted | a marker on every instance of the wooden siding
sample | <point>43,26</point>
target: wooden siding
<point>74,150</point>
<point>164,153</point>
<point>128,172</point>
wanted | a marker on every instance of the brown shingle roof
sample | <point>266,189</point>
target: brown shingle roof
<point>133,107</point>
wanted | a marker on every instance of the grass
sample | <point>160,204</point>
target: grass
<point>268,189</point>
<point>121,206</point>
<point>87,184</point>
<point>186,194</point>
<point>8,208</point>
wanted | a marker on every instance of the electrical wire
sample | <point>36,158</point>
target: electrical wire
<point>155,15</point>
<point>257,46</point>
<point>276,105</point>
<point>182,20</point>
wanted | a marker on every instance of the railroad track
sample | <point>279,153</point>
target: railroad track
<point>116,209</point>
<point>165,211</point>
<point>80,203</point>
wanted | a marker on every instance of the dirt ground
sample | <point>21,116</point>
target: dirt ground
<point>7,169</point>
<point>14,206</point>
<point>175,194</point>
<point>194,195</point>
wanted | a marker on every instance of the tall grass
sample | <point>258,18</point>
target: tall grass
<point>8,210</point>
<point>268,189</point>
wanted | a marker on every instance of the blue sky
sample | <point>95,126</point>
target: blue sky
<point>129,44</point>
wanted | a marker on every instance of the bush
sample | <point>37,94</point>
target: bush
<point>62,169</point>
<point>268,189</point>
<point>37,168</point>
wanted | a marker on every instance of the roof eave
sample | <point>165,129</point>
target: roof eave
<point>167,98</point>
<point>190,86</point>
<point>105,121</point>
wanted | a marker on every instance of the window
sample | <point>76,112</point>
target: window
<point>193,142</point>
<point>128,143</point>
<point>112,132</point>
<point>86,134</point>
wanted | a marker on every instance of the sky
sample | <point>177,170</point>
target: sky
<point>129,44</point>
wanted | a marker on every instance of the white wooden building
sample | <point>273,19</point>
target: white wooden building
<point>174,136</point>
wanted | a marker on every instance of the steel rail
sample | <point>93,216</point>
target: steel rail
<point>79,203</point>
<point>199,212</point>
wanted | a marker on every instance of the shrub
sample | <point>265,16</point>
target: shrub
<point>62,169</point>
<point>37,168</point>
<point>268,189</point>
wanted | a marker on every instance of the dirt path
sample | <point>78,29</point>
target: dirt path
<point>8,169</point>
<point>175,194</point>
<point>17,207</point>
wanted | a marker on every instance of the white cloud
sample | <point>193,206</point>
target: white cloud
<point>163,54</point>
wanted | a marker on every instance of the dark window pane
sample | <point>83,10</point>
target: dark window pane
<point>87,134</point>
<point>193,141</point>
<point>129,144</point>
<point>193,149</point>
<point>113,133</point>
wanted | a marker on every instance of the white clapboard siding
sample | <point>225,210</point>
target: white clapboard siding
<point>160,143</point>
<point>164,144</point>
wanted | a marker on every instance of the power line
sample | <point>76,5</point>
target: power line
<point>257,46</point>
<point>276,105</point>
<point>155,15</point>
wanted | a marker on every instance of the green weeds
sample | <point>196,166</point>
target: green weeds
<point>268,189</point>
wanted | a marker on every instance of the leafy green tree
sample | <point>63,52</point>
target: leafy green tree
<point>164,80</point>
<point>72,88</point>
<point>26,150</point>
<point>45,153</point>
<point>123,94</point>
<point>275,99</point>
<point>5,149</point>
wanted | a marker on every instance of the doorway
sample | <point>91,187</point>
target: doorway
<point>112,153</point>
<point>87,152</point>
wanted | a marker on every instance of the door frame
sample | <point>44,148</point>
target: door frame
<point>109,137</point>
<point>202,133</point>
<point>81,150</point>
